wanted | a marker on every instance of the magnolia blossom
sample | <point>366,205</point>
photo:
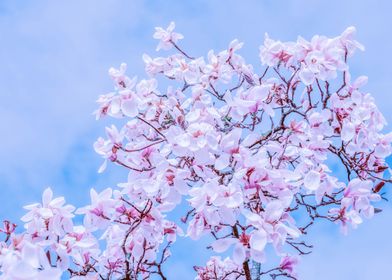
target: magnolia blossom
<point>27,262</point>
<point>166,37</point>
<point>251,159</point>
<point>50,219</point>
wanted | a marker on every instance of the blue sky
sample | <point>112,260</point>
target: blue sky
<point>54,57</point>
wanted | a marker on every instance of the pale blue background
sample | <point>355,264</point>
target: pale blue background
<point>54,57</point>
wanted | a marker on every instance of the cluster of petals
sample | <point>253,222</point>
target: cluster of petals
<point>244,153</point>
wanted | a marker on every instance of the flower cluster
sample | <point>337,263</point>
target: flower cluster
<point>246,152</point>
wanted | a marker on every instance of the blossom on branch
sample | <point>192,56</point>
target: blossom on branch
<point>245,155</point>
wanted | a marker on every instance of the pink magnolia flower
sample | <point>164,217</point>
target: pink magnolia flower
<point>50,219</point>
<point>288,263</point>
<point>166,37</point>
<point>99,212</point>
<point>28,263</point>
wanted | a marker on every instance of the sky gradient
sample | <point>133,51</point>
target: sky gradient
<point>54,57</point>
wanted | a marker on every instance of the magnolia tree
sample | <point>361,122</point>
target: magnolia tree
<point>246,154</point>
